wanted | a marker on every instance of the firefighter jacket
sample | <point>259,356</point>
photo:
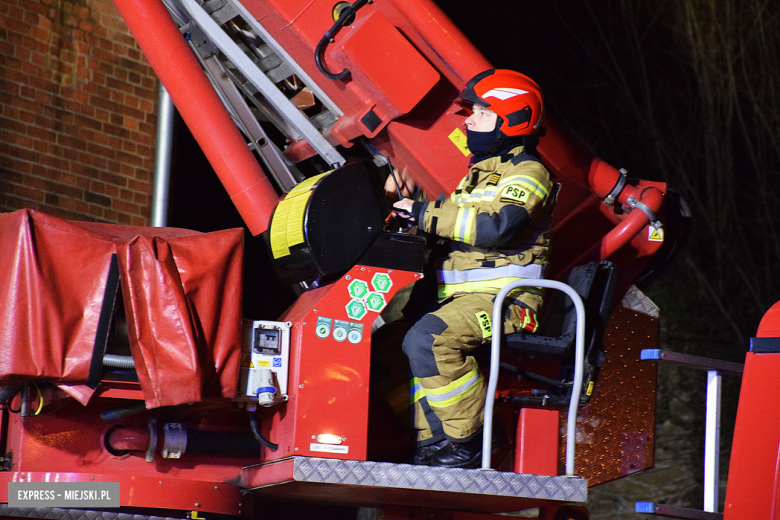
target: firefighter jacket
<point>498,220</point>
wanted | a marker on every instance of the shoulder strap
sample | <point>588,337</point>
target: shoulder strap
<point>522,157</point>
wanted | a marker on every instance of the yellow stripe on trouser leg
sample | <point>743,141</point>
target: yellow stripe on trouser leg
<point>458,404</point>
<point>457,393</point>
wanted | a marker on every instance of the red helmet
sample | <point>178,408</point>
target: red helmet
<point>516,98</point>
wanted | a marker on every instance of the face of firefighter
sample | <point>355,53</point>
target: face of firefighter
<point>482,119</point>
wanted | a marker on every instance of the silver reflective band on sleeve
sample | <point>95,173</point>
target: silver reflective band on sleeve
<point>490,273</point>
<point>462,232</point>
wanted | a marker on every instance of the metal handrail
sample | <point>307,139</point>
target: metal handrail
<point>495,351</point>
<point>715,369</point>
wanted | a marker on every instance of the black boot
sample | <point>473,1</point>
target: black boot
<point>424,454</point>
<point>459,454</point>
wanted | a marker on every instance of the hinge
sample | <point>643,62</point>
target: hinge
<point>6,462</point>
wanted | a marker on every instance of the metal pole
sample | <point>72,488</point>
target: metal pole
<point>712,441</point>
<point>495,355</point>
<point>162,158</point>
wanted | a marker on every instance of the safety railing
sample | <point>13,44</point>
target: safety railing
<point>495,354</point>
<point>715,370</point>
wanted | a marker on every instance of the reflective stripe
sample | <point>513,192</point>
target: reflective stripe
<point>446,290</point>
<point>490,273</point>
<point>417,390</point>
<point>462,231</point>
<point>468,248</point>
<point>477,195</point>
<point>454,392</point>
<point>538,189</point>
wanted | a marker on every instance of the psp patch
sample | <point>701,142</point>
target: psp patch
<point>515,194</point>
<point>483,319</point>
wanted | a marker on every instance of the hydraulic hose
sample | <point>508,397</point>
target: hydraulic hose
<point>8,392</point>
<point>116,361</point>
<point>326,39</point>
<point>220,443</point>
<point>198,442</point>
<point>262,440</point>
<point>118,413</point>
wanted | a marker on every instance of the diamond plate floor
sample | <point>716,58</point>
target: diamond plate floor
<point>368,483</point>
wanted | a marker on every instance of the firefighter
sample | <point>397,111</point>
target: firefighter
<point>498,223</point>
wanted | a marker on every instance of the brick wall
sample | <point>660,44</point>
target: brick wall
<point>77,112</point>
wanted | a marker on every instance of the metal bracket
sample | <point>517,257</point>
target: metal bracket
<point>175,443</point>
<point>609,200</point>
<point>644,208</point>
<point>152,440</point>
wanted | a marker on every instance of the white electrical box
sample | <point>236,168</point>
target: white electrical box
<point>265,361</point>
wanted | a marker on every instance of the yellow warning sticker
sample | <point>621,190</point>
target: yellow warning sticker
<point>484,323</point>
<point>287,223</point>
<point>655,235</point>
<point>263,363</point>
<point>247,363</point>
<point>459,139</point>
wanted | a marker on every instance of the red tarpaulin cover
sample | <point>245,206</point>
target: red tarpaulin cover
<point>181,291</point>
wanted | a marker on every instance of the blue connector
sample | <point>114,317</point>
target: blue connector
<point>650,353</point>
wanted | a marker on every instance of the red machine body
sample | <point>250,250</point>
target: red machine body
<point>753,489</point>
<point>407,63</point>
<point>329,381</point>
